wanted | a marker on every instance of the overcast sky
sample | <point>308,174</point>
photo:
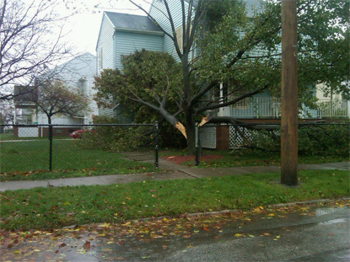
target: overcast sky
<point>83,28</point>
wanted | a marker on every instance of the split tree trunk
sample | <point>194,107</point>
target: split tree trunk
<point>191,133</point>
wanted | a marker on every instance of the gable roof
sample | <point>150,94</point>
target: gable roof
<point>131,22</point>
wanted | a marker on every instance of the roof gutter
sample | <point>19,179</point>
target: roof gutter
<point>139,31</point>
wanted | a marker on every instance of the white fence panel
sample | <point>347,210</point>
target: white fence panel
<point>27,132</point>
<point>207,137</point>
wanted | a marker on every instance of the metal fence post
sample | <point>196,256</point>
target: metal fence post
<point>196,160</point>
<point>50,153</point>
<point>156,144</point>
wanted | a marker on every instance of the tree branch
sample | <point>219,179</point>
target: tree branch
<point>216,106</point>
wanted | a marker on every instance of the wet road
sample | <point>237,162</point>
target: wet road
<point>282,234</point>
<point>324,237</point>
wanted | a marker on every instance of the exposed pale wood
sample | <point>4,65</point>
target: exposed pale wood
<point>181,128</point>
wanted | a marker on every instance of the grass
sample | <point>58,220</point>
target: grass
<point>6,136</point>
<point>45,208</point>
<point>29,160</point>
<point>10,136</point>
<point>247,157</point>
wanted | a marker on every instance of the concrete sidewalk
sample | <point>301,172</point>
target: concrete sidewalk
<point>169,171</point>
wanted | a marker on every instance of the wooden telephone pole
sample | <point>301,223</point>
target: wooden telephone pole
<point>289,101</point>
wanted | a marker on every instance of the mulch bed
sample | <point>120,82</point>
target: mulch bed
<point>180,159</point>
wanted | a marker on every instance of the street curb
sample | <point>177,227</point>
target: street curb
<point>317,201</point>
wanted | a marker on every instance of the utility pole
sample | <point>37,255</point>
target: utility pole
<point>289,101</point>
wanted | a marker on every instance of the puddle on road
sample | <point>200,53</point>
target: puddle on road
<point>333,221</point>
<point>324,211</point>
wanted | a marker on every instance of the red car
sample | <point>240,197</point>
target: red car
<point>77,134</point>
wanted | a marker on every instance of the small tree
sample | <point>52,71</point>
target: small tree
<point>30,41</point>
<point>7,110</point>
<point>56,98</point>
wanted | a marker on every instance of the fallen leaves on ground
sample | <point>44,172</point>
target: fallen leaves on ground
<point>54,244</point>
<point>181,159</point>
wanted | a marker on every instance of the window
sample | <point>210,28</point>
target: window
<point>87,58</point>
<point>179,34</point>
<point>100,59</point>
<point>179,39</point>
<point>82,85</point>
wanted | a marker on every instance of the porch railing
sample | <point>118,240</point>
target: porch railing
<point>256,107</point>
<point>268,107</point>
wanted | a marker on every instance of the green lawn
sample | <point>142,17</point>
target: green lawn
<point>10,136</point>
<point>247,157</point>
<point>7,136</point>
<point>29,160</point>
<point>45,208</point>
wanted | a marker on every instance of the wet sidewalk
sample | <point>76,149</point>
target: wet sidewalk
<point>169,171</point>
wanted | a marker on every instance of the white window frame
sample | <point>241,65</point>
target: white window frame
<point>179,37</point>
<point>100,61</point>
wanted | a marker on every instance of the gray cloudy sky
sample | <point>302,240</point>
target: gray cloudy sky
<point>82,29</point>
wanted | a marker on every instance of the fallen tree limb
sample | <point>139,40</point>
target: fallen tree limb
<point>252,126</point>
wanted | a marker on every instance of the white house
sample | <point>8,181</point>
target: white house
<point>122,34</point>
<point>77,73</point>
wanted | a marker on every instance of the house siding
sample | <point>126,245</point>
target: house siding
<point>60,119</point>
<point>79,73</point>
<point>126,43</point>
<point>105,44</point>
<point>157,11</point>
<point>76,74</point>
<point>103,111</point>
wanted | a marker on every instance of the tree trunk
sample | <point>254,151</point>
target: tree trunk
<point>187,106</point>
<point>190,132</point>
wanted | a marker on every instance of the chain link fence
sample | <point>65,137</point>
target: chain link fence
<point>313,138</point>
<point>25,148</point>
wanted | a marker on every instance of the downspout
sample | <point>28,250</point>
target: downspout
<point>15,116</point>
<point>221,101</point>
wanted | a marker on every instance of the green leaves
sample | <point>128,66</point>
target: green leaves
<point>151,77</point>
<point>57,98</point>
<point>249,50</point>
<point>149,81</point>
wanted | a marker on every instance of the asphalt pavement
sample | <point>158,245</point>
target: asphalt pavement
<point>325,236</point>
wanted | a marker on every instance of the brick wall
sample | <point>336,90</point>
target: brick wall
<point>222,138</point>
<point>64,131</point>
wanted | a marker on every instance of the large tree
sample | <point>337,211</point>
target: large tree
<point>56,98</point>
<point>150,82</point>
<point>243,52</point>
<point>30,41</point>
